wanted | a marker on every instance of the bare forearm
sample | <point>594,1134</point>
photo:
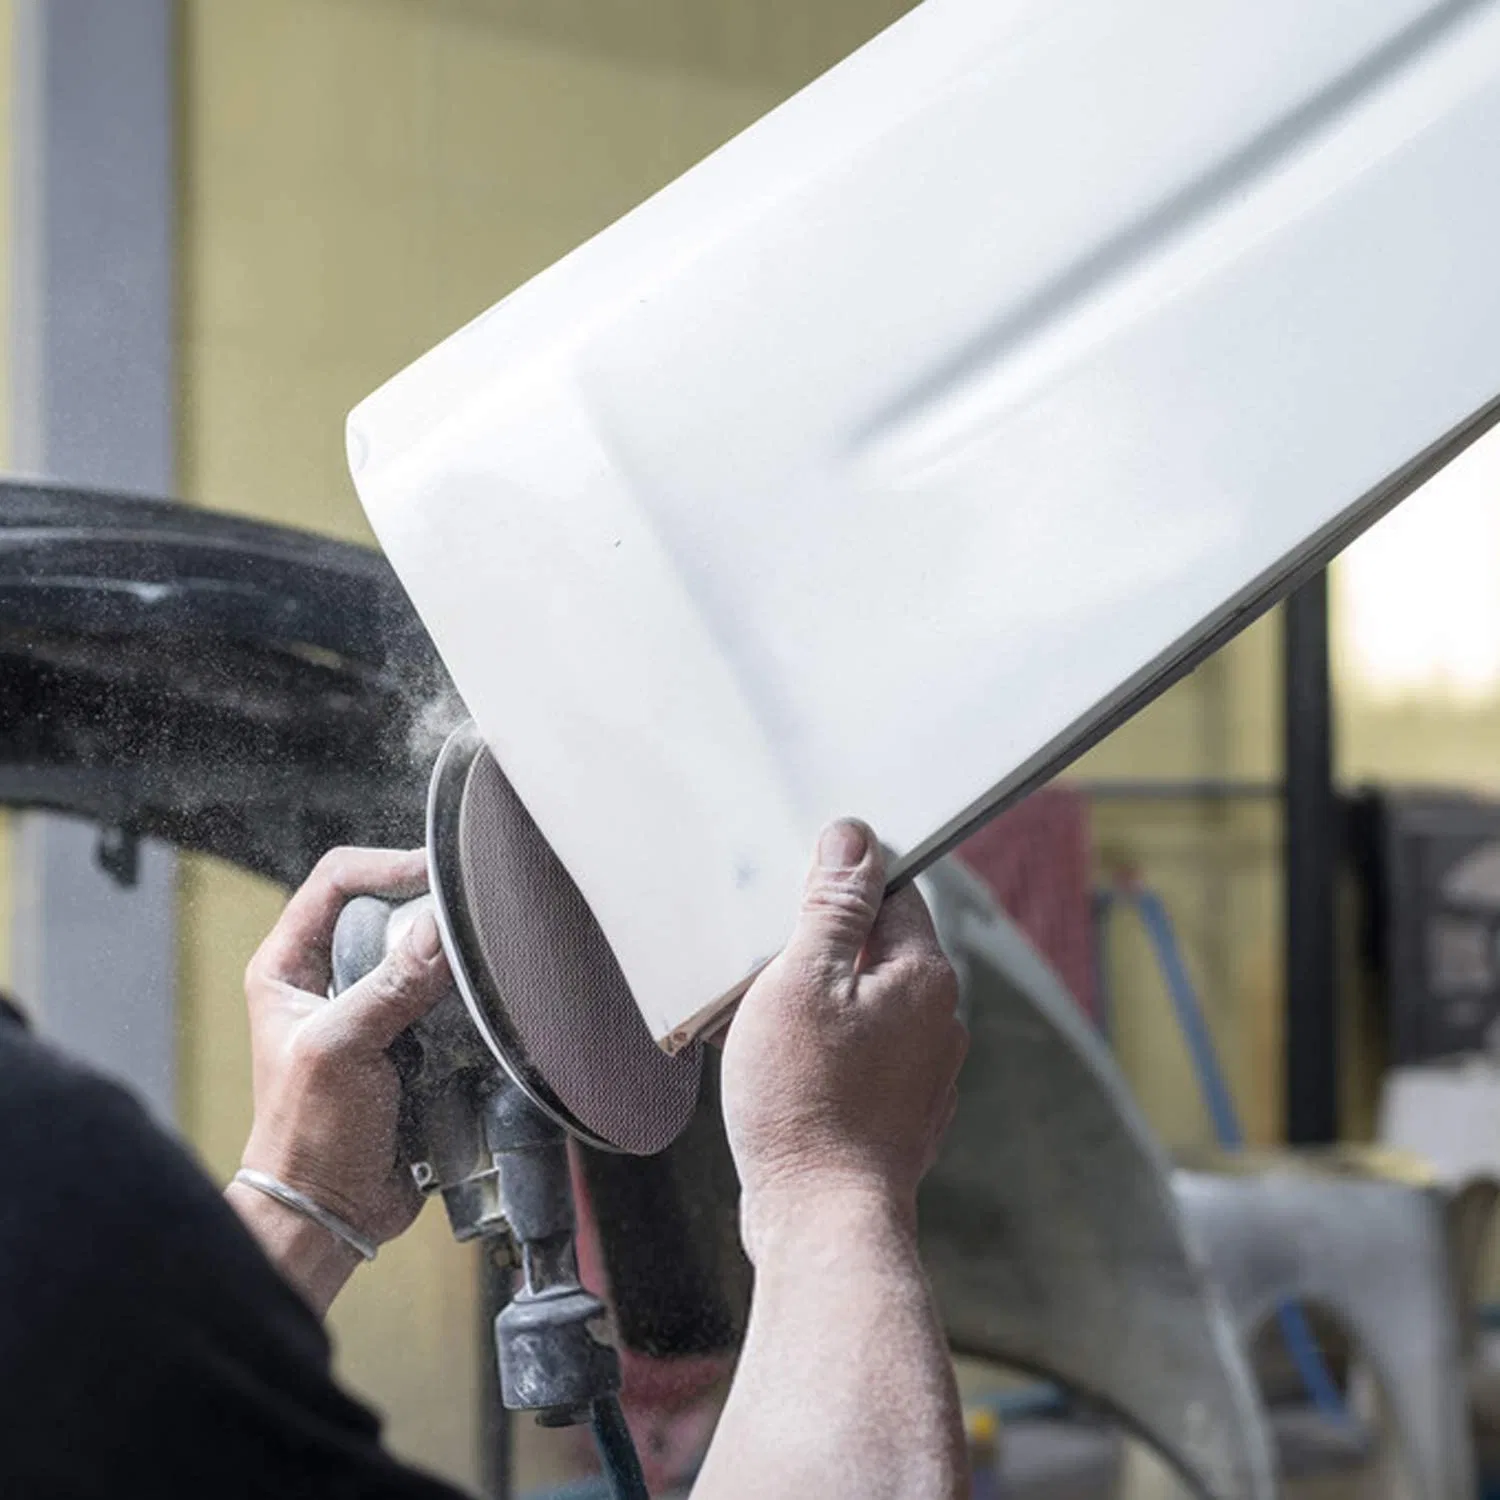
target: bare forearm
<point>844,1387</point>
<point>316,1264</point>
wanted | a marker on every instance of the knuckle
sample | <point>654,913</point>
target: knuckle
<point>335,859</point>
<point>842,903</point>
<point>401,973</point>
<point>333,868</point>
<point>394,970</point>
<point>401,986</point>
<point>381,992</point>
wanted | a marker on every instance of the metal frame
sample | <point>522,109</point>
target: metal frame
<point>93,382</point>
<point>1312,855</point>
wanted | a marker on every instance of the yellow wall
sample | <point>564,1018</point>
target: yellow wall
<point>1217,867</point>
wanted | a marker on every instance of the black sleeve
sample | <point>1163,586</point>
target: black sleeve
<point>147,1346</point>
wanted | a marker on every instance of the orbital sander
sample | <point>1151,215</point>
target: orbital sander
<point>539,1039</point>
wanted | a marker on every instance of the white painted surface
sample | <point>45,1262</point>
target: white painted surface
<point>1448,1114</point>
<point>867,467</point>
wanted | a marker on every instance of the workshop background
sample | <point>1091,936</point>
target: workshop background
<point>356,178</point>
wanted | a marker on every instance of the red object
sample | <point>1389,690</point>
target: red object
<point>670,1405</point>
<point>1036,860</point>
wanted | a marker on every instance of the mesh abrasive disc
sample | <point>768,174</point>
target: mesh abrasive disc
<point>567,1010</point>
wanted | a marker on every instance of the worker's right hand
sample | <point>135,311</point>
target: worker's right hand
<point>841,1063</point>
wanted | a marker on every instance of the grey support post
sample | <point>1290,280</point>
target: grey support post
<point>93,391</point>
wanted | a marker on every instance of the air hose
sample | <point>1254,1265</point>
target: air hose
<point>1219,1103</point>
<point>617,1455</point>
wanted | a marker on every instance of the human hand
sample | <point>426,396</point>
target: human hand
<point>327,1094</point>
<point>841,1063</point>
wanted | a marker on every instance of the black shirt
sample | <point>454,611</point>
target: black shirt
<point>147,1346</point>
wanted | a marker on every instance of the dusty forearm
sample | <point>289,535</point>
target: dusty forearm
<point>844,1387</point>
<point>312,1260</point>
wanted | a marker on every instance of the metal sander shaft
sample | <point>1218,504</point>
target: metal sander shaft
<point>501,1166</point>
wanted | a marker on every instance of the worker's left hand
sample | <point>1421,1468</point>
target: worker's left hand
<point>327,1095</point>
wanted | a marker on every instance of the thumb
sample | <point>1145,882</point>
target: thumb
<point>402,988</point>
<point>842,898</point>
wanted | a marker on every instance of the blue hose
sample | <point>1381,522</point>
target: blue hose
<point>1219,1103</point>
<point>1217,1099</point>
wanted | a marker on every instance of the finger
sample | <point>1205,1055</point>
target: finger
<point>842,898</point>
<point>406,984</point>
<point>296,950</point>
<point>903,928</point>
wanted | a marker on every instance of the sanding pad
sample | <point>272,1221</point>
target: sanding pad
<point>541,983</point>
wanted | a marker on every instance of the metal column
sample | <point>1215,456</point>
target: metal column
<point>1312,835</point>
<point>93,389</point>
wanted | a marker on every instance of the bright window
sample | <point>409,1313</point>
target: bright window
<point>1418,596</point>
